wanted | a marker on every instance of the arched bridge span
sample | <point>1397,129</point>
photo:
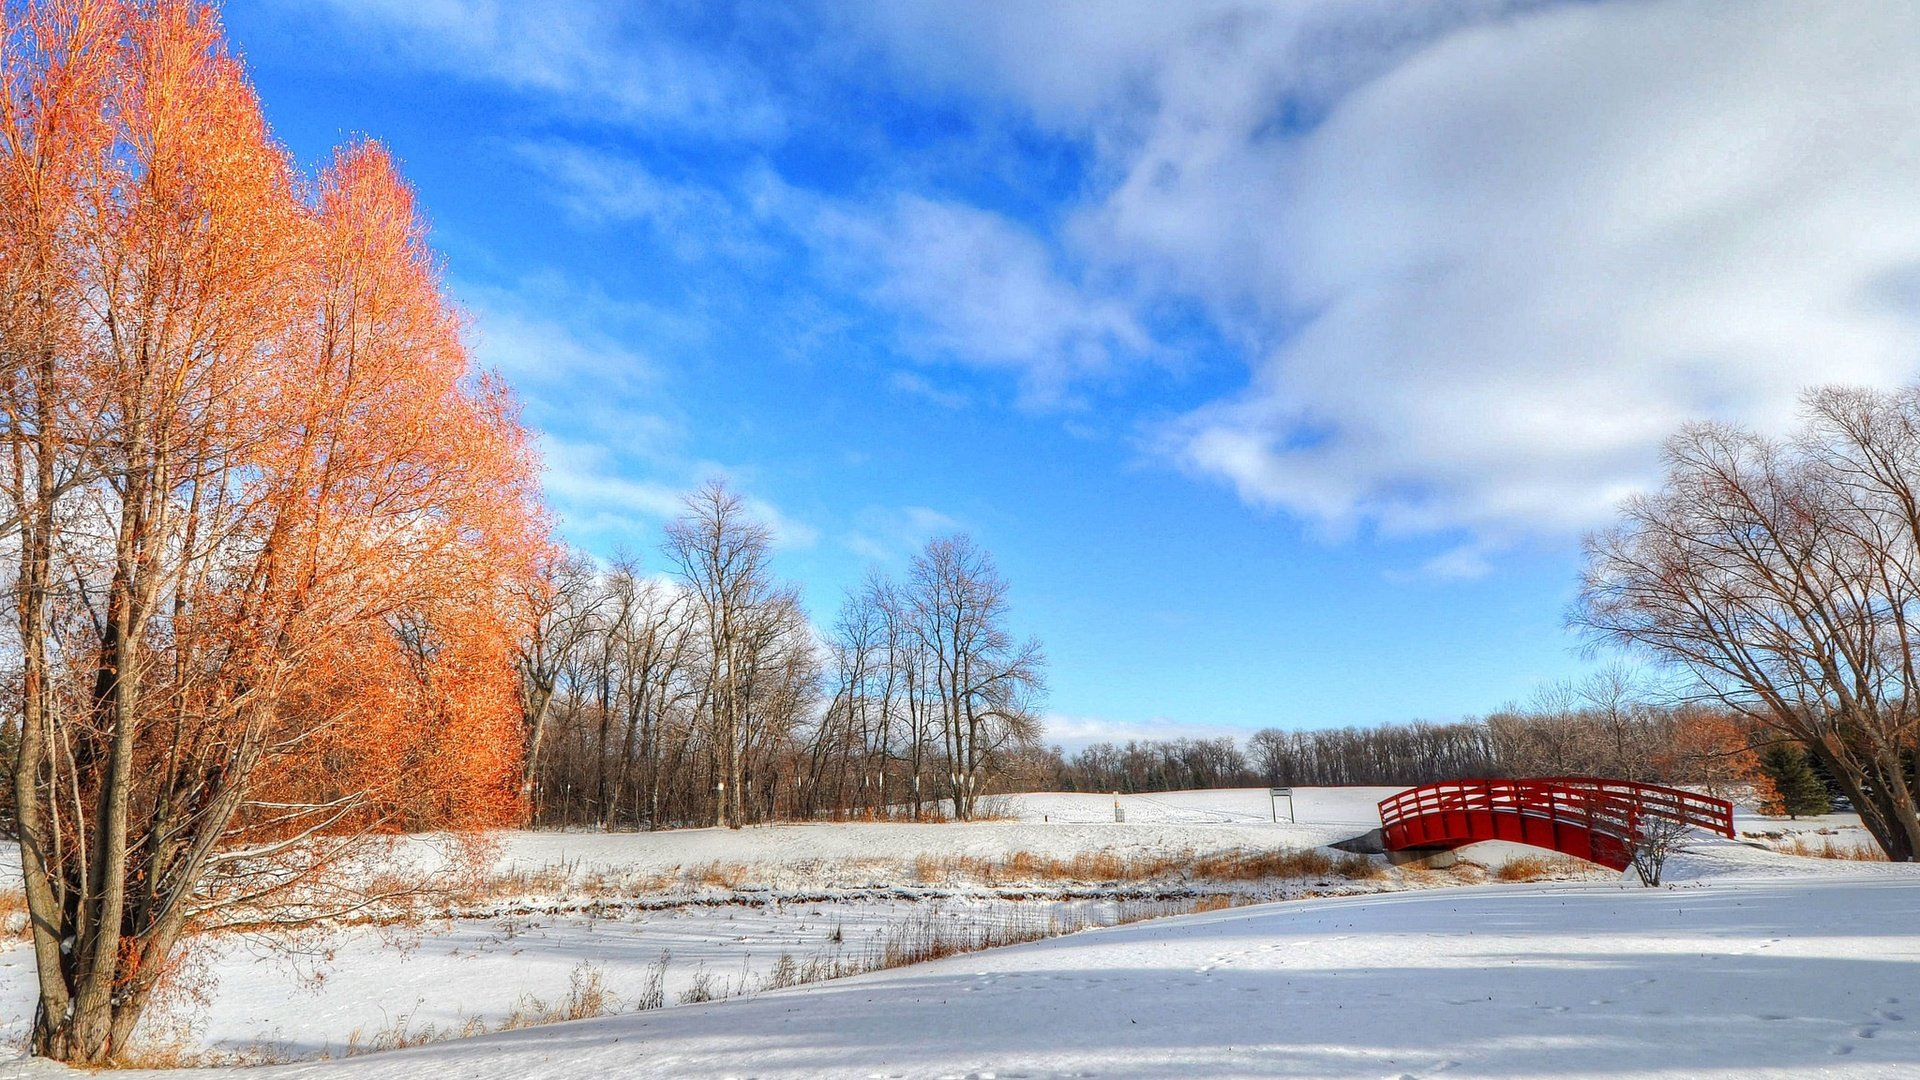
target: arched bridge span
<point>1583,816</point>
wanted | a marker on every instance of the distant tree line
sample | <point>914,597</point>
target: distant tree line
<point>1600,727</point>
<point>706,696</point>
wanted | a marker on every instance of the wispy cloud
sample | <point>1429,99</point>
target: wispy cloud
<point>914,384</point>
<point>1483,257</point>
<point>957,284</point>
<point>1478,258</point>
<point>605,62</point>
<point>616,455</point>
<point>978,288</point>
<point>1072,733</point>
<point>893,535</point>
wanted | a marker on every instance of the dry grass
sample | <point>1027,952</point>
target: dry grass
<point>401,1034</point>
<point>566,880</point>
<point>587,996</point>
<point>1526,868</point>
<point>177,1055</point>
<point>1797,844</point>
<point>1109,868</point>
<point>718,875</point>
<point>1426,877</point>
<point>700,989</point>
<point>13,913</point>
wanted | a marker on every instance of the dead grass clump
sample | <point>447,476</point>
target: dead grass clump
<point>13,913</point>
<point>1025,865</point>
<point>1525,868</point>
<point>942,869</point>
<point>1356,867</point>
<point>1259,865</point>
<point>653,992</point>
<point>1797,844</point>
<point>930,936</point>
<point>1105,867</point>
<point>718,875</point>
<point>1421,876</point>
<point>701,989</point>
<point>1098,866</point>
<point>176,1055</point>
<point>401,1034</point>
<point>587,996</point>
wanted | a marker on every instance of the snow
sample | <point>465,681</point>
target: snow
<point>1754,964</point>
<point>352,989</point>
<point>880,855</point>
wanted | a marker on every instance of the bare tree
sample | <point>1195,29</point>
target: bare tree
<point>984,680</point>
<point>1655,839</point>
<point>758,644</point>
<point>565,600</point>
<point>1784,577</point>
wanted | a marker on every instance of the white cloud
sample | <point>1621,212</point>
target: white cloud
<point>537,352</point>
<point>914,384</point>
<point>1484,270</point>
<point>1482,257</point>
<point>788,531</point>
<point>597,60</point>
<point>601,493</point>
<point>975,286</point>
<point>616,464</point>
<point>887,535</point>
<point>698,221</point>
<point>584,479</point>
<point>1072,733</point>
<point>967,285</point>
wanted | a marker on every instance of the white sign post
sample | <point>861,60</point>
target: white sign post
<point>1274,795</point>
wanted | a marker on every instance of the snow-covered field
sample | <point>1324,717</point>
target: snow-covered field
<point>836,859</point>
<point>1754,964</point>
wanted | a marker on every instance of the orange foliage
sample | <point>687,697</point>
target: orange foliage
<point>1714,751</point>
<point>431,568</point>
<point>273,532</point>
<point>291,529</point>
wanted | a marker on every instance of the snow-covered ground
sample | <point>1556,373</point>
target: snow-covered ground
<point>1754,964</point>
<point>838,858</point>
<point>363,986</point>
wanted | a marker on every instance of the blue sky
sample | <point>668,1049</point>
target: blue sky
<point>1280,353</point>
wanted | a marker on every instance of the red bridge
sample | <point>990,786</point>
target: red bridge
<point>1582,816</point>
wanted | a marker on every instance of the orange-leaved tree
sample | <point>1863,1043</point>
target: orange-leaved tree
<point>1714,750</point>
<point>271,534</point>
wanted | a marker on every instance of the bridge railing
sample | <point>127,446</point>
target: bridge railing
<point>1610,807</point>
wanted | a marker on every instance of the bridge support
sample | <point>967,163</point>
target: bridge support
<point>1428,858</point>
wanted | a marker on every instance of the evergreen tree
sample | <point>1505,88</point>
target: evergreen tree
<point>1798,788</point>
